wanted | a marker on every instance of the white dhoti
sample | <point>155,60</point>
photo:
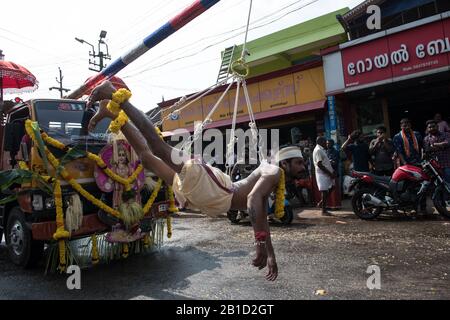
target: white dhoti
<point>324,181</point>
<point>203,187</point>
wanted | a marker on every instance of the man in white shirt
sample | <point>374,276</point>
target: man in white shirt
<point>324,172</point>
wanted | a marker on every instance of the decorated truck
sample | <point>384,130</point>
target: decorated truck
<point>73,196</point>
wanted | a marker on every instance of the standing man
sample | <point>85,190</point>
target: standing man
<point>382,150</point>
<point>324,173</point>
<point>359,150</point>
<point>408,144</point>
<point>442,124</point>
<point>439,143</point>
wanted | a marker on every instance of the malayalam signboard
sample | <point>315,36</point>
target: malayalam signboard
<point>397,55</point>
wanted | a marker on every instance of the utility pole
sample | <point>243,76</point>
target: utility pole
<point>101,55</point>
<point>60,82</point>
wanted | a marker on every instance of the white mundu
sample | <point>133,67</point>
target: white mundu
<point>324,181</point>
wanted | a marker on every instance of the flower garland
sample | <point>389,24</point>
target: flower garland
<point>169,227</point>
<point>99,161</point>
<point>75,185</point>
<point>95,257</point>
<point>153,196</point>
<point>280,195</point>
<point>118,97</point>
<point>118,123</point>
<point>61,234</point>
<point>125,250</point>
<point>23,165</point>
<point>172,207</point>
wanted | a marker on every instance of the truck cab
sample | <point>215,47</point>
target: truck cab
<point>29,221</point>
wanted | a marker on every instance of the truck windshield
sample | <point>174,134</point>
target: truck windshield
<point>68,121</point>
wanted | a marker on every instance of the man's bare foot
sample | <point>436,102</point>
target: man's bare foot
<point>101,92</point>
<point>101,114</point>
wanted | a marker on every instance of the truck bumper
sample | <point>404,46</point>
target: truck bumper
<point>91,224</point>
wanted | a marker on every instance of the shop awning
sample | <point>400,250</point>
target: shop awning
<point>315,105</point>
<point>302,37</point>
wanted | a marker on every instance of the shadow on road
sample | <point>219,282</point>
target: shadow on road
<point>157,275</point>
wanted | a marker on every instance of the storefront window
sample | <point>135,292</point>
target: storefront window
<point>370,116</point>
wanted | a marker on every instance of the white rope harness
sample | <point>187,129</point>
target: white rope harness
<point>237,78</point>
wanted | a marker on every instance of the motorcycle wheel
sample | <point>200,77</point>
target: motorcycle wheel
<point>233,216</point>
<point>288,215</point>
<point>441,201</point>
<point>362,211</point>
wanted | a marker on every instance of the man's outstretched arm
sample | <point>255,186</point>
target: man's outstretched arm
<point>257,210</point>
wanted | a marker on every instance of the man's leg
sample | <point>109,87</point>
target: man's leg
<point>324,203</point>
<point>149,161</point>
<point>134,137</point>
<point>159,148</point>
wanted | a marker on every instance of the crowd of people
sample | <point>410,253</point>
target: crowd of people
<point>382,155</point>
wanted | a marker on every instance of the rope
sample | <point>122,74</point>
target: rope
<point>252,124</point>
<point>230,146</point>
<point>244,47</point>
<point>199,128</point>
<point>197,96</point>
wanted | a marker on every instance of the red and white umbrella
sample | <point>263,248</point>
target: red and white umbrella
<point>15,78</point>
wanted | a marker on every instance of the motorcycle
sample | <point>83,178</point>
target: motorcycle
<point>404,191</point>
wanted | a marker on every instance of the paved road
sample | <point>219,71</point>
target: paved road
<point>210,259</point>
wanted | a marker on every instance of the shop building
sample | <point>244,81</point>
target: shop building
<point>400,71</point>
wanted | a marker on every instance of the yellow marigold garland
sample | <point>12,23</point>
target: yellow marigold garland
<point>23,165</point>
<point>75,185</point>
<point>95,257</point>
<point>280,195</point>
<point>125,250</point>
<point>118,97</point>
<point>100,163</point>
<point>61,234</point>
<point>169,227</point>
<point>119,122</point>
<point>79,188</point>
<point>172,207</point>
<point>153,196</point>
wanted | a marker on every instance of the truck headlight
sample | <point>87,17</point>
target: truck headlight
<point>38,202</point>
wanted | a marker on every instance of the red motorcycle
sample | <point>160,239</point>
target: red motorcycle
<point>404,191</point>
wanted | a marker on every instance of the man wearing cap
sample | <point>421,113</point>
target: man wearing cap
<point>200,186</point>
<point>324,173</point>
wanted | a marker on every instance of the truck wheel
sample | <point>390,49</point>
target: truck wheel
<point>23,250</point>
